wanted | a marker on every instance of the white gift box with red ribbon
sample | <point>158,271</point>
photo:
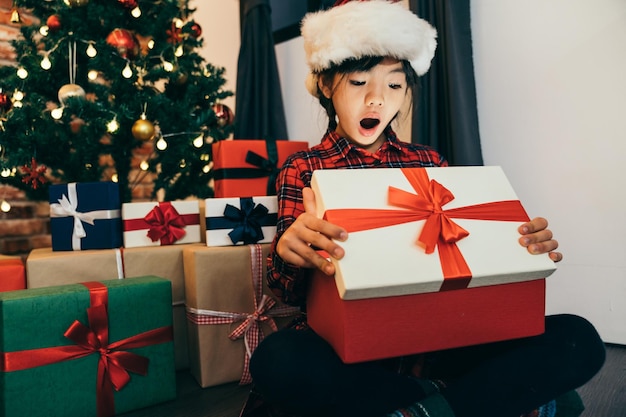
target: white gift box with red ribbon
<point>160,224</point>
<point>422,230</point>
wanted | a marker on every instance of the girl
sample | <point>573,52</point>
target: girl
<point>365,57</point>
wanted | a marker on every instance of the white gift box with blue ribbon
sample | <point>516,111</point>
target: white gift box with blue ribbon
<point>85,216</point>
<point>239,221</point>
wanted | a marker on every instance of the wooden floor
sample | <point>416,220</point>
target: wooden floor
<point>604,395</point>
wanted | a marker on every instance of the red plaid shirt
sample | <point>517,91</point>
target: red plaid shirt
<point>287,281</point>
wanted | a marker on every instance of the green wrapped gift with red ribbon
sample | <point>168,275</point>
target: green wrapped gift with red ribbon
<point>90,349</point>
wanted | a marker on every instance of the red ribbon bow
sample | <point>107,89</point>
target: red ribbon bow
<point>113,365</point>
<point>439,229</point>
<point>165,224</point>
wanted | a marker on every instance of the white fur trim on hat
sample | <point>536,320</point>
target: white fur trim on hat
<point>367,28</point>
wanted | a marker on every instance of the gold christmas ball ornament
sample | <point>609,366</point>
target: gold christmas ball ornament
<point>143,129</point>
<point>69,91</point>
<point>76,3</point>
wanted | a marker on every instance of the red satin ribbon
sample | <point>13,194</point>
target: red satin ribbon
<point>163,223</point>
<point>439,230</point>
<point>114,364</point>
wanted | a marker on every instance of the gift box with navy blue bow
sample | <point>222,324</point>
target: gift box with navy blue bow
<point>239,221</point>
<point>85,216</point>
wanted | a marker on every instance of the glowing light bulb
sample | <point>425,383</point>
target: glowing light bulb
<point>182,163</point>
<point>22,73</point>
<point>57,113</point>
<point>44,30</point>
<point>92,75</point>
<point>151,44</point>
<point>45,63</point>
<point>114,178</point>
<point>168,66</point>
<point>179,51</point>
<point>144,165</point>
<point>136,12</point>
<point>5,206</point>
<point>199,141</point>
<point>18,104</point>
<point>127,72</point>
<point>206,169</point>
<point>178,23</point>
<point>5,173</point>
<point>161,144</point>
<point>18,95</point>
<point>91,50</point>
<point>112,126</point>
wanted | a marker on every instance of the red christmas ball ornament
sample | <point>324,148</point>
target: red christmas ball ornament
<point>125,42</point>
<point>223,114</point>
<point>5,102</point>
<point>53,23</point>
<point>195,30</point>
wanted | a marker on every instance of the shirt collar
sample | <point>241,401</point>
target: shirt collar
<point>344,146</point>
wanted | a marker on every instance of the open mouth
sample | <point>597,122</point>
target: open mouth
<point>369,123</point>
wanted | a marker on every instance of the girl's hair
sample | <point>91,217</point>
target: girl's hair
<point>357,65</point>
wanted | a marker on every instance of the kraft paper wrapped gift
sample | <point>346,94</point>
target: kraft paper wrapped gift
<point>51,340</point>
<point>229,310</point>
<point>239,221</point>
<point>430,249</point>
<point>245,168</point>
<point>12,273</point>
<point>85,216</point>
<point>46,268</point>
<point>161,224</point>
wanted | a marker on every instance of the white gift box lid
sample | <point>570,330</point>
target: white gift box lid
<point>388,261</point>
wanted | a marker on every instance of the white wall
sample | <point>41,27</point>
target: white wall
<point>219,20</point>
<point>551,83</point>
<point>551,86</point>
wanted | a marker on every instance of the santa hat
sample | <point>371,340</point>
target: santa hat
<point>356,29</point>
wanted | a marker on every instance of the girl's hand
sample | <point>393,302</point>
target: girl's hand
<point>537,238</point>
<point>299,242</point>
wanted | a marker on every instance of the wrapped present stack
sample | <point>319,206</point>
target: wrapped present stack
<point>432,262</point>
<point>210,254</point>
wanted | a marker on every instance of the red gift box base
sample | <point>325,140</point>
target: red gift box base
<point>12,275</point>
<point>378,328</point>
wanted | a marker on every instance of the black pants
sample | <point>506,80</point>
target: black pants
<point>298,371</point>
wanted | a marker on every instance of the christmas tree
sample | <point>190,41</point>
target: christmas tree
<point>97,80</point>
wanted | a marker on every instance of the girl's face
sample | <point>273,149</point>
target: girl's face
<point>367,101</point>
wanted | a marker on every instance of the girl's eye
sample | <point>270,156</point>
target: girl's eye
<point>357,82</point>
<point>395,86</point>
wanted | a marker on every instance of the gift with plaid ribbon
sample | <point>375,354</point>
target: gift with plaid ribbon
<point>228,310</point>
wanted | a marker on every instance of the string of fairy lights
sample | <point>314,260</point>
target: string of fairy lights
<point>127,48</point>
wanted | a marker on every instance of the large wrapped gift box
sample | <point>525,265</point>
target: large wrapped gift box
<point>430,249</point>
<point>239,221</point>
<point>46,268</point>
<point>12,273</point>
<point>92,349</point>
<point>161,224</point>
<point>245,168</point>
<point>229,310</point>
<point>85,216</point>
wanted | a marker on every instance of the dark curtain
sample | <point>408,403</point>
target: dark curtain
<point>445,115</point>
<point>259,111</point>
